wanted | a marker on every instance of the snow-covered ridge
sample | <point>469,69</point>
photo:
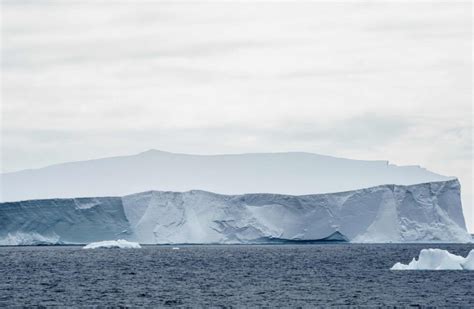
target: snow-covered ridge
<point>387,213</point>
<point>292,173</point>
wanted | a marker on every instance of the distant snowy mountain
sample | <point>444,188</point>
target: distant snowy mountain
<point>284,173</point>
<point>387,213</point>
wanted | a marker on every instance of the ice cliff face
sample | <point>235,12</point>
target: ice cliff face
<point>388,213</point>
<point>80,220</point>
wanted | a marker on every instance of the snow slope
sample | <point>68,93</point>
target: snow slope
<point>284,173</point>
<point>387,213</point>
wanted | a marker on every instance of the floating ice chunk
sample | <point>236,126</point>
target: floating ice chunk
<point>175,248</point>
<point>121,243</point>
<point>438,259</point>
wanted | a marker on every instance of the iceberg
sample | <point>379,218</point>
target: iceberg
<point>108,244</point>
<point>438,259</point>
<point>428,212</point>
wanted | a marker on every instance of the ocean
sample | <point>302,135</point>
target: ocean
<point>230,276</point>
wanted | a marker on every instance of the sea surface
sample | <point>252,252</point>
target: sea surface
<point>229,276</point>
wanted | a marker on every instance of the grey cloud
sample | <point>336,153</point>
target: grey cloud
<point>90,79</point>
<point>360,131</point>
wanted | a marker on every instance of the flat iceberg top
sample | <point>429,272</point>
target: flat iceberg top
<point>438,259</point>
<point>121,243</point>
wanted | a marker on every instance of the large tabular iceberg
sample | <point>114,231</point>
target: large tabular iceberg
<point>437,259</point>
<point>387,213</point>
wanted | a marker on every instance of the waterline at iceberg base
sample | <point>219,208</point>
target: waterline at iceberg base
<point>388,213</point>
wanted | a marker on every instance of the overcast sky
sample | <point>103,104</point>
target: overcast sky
<point>389,81</point>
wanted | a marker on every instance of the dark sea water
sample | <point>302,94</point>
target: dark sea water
<point>229,276</point>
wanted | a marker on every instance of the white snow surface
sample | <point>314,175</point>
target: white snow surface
<point>438,259</point>
<point>108,244</point>
<point>292,173</point>
<point>429,212</point>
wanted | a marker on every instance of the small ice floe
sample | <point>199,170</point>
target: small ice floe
<point>120,243</point>
<point>438,259</point>
<point>175,248</point>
